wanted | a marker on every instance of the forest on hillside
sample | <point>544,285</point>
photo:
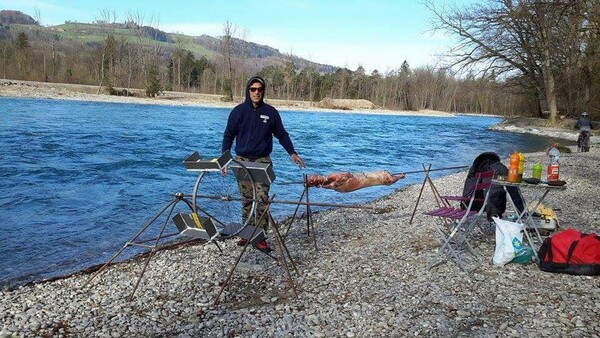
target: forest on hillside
<point>527,57</point>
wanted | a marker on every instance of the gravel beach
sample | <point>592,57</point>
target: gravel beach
<point>370,277</point>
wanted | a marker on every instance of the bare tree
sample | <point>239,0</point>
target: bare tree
<point>23,49</point>
<point>5,47</point>
<point>37,14</point>
<point>149,50</point>
<point>106,19</point>
<point>511,38</point>
<point>180,43</point>
<point>289,73</point>
<point>244,55</point>
<point>579,53</point>
<point>229,31</point>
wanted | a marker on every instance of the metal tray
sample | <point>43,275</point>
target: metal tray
<point>260,172</point>
<point>195,163</point>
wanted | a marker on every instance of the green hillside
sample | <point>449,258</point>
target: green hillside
<point>95,33</point>
<point>85,32</point>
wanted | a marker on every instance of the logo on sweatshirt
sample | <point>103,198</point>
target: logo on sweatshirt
<point>265,118</point>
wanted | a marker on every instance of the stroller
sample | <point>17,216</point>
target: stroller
<point>496,204</point>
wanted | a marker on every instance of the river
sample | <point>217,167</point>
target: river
<point>79,178</point>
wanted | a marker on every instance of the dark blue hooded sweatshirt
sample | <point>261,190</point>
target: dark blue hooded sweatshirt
<point>253,128</point>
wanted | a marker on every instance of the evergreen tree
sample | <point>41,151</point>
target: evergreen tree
<point>153,87</point>
<point>227,91</point>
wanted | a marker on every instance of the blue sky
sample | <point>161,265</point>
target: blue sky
<point>377,34</point>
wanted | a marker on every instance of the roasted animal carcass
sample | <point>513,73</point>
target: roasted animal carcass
<point>346,182</point>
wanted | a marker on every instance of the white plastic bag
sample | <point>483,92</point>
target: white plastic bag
<point>509,239</point>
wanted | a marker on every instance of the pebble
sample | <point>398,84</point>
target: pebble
<point>5,333</point>
<point>370,277</point>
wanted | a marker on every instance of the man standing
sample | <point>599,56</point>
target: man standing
<point>253,124</point>
<point>583,123</point>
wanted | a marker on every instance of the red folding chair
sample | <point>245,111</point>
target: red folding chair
<point>457,223</point>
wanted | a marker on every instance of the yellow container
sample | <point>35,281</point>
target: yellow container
<point>521,166</point>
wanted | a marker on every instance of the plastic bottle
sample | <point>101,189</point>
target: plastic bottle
<point>536,170</point>
<point>521,166</point>
<point>513,168</point>
<point>553,164</point>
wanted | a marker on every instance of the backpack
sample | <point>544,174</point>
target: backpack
<point>571,252</point>
<point>497,198</point>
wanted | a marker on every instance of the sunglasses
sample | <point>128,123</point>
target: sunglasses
<point>256,89</point>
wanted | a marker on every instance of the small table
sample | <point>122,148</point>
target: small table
<point>538,194</point>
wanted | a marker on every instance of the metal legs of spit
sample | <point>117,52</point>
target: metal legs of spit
<point>135,240</point>
<point>310,229</point>
<point>282,259</point>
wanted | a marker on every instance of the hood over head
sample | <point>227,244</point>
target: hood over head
<point>250,82</point>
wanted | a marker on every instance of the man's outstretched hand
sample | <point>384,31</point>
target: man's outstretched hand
<point>297,160</point>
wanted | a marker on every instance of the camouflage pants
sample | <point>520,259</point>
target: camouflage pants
<point>262,193</point>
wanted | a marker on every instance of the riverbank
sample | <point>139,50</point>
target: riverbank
<point>62,91</point>
<point>370,277</point>
<point>563,130</point>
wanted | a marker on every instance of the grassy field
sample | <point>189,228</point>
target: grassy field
<point>94,33</point>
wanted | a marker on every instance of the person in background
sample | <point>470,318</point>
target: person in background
<point>585,126</point>
<point>252,124</point>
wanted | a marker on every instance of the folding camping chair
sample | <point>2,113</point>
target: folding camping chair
<point>457,223</point>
